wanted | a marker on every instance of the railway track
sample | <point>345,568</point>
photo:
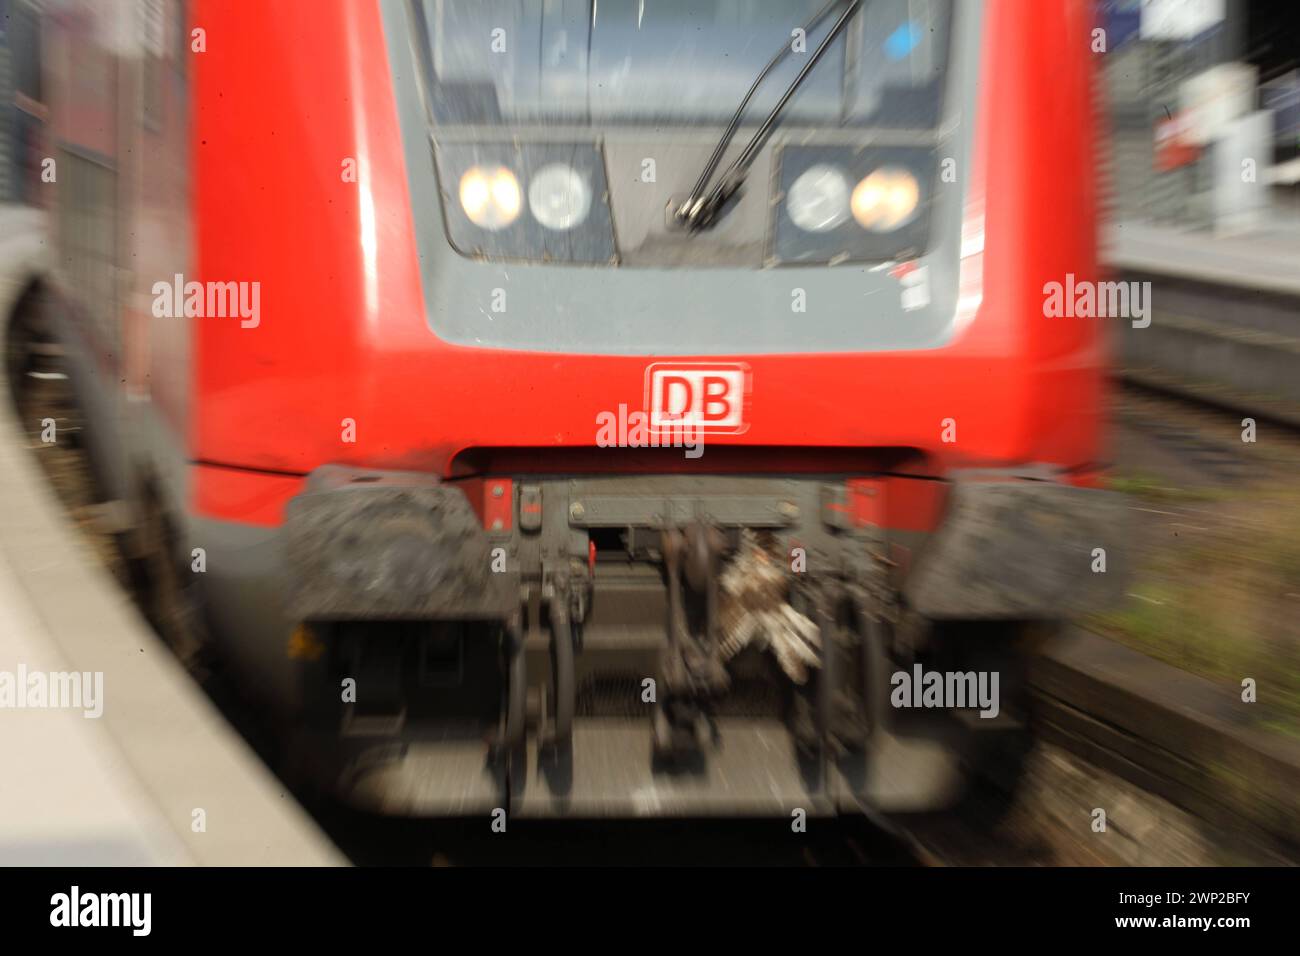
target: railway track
<point>1214,591</point>
<point>1197,439</point>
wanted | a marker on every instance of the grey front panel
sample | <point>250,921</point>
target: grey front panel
<point>716,294</point>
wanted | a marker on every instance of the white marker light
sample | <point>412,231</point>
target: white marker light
<point>818,200</point>
<point>559,196</point>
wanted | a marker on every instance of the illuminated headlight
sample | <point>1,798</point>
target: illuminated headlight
<point>537,202</point>
<point>818,200</point>
<point>886,199</point>
<point>490,196</point>
<point>559,197</point>
<point>852,204</point>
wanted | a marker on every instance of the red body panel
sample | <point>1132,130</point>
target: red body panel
<point>284,97</point>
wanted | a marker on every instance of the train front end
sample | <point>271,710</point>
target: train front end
<point>614,494</point>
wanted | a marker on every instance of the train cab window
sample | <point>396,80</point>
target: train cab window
<point>680,62</point>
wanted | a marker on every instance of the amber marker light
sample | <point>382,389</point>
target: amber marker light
<point>885,199</point>
<point>490,196</point>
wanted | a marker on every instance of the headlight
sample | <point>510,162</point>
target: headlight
<point>852,204</point>
<point>819,199</point>
<point>490,196</point>
<point>886,199</point>
<point>538,202</point>
<point>559,197</point>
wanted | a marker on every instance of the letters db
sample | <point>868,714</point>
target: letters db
<point>698,396</point>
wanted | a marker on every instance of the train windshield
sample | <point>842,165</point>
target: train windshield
<point>680,62</point>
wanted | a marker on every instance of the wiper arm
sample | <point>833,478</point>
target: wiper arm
<point>698,212</point>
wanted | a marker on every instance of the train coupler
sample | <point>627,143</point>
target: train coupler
<point>692,670</point>
<point>840,709</point>
<point>563,680</point>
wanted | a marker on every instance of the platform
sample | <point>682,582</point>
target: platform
<point>1267,260</point>
<point>122,788</point>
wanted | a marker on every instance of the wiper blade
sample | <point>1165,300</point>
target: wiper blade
<point>699,212</point>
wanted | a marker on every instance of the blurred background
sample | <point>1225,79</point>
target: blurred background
<point>1178,79</point>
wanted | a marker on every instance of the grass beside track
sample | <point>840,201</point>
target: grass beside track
<point>1215,585</point>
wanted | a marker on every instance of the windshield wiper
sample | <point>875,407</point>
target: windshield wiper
<point>699,212</point>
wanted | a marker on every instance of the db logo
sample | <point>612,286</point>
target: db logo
<point>697,396</point>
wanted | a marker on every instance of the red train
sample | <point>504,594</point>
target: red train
<point>512,460</point>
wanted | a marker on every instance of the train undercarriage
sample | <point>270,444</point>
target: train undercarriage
<point>658,645</point>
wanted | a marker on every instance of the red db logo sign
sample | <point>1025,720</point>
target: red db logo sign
<point>697,396</point>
